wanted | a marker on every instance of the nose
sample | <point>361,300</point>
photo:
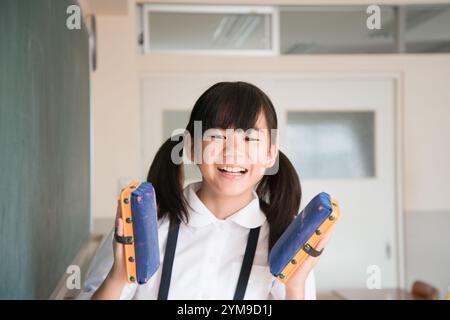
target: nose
<point>234,148</point>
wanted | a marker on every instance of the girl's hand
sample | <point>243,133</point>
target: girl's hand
<point>118,270</point>
<point>116,279</point>
<point>295,286</point>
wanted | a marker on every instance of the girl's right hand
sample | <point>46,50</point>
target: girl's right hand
<point>118,270</point>
<point>116,279</point>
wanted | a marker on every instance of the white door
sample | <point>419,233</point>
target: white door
<point>339,131</point>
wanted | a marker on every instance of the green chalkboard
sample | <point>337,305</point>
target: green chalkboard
<point>44,146</point>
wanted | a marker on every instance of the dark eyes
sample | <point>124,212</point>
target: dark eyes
<point>247,138</point>
<point>220,137</point>
<point>217,136</point>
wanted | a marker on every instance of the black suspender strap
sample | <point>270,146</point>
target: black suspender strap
<point>169,256</point>
<point>247,264</point>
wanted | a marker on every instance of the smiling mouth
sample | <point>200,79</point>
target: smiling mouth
<point>236,171</point>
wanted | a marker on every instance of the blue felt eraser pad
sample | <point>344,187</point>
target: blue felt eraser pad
<point>299,232</point>
<point>145,228</point>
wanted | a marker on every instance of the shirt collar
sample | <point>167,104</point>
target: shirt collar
<point>250,216</point>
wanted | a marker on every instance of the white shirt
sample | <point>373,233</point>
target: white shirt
<point>208,257</point>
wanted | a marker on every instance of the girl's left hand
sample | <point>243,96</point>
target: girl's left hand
<point>295,286</point>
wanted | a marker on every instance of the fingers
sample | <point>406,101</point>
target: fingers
<point>118,210</point>
<point>324,241</point>
<point>119,226</point>
<point>311,261</point>
<point>119,222</point>
<point>117,246</point>
<point>118,230</point>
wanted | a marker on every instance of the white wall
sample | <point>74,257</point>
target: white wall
<point>424,99</point>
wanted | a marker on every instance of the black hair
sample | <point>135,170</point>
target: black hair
<point>229,105</point>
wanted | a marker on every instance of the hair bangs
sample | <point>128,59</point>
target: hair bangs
<point>235,105</point>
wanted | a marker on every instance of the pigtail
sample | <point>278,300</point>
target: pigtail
<point>280,195</point>
<point>167,178</point>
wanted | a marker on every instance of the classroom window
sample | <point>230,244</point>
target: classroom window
<point>334,30</point>
<point>213,29</point>
<point>293,30</point>
<point>427,28</point>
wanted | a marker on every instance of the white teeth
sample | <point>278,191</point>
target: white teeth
<point>233,169</point>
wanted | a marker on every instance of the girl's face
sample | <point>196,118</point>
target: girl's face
<point>235,160</point>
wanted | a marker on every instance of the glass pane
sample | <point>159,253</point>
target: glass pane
<point>173,120</point>
<point>332,144</point>
<point>209,31</point>
<point>428,29</point>
<point>335,30</point>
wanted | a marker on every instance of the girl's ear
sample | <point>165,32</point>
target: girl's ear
<point>273,153</point>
